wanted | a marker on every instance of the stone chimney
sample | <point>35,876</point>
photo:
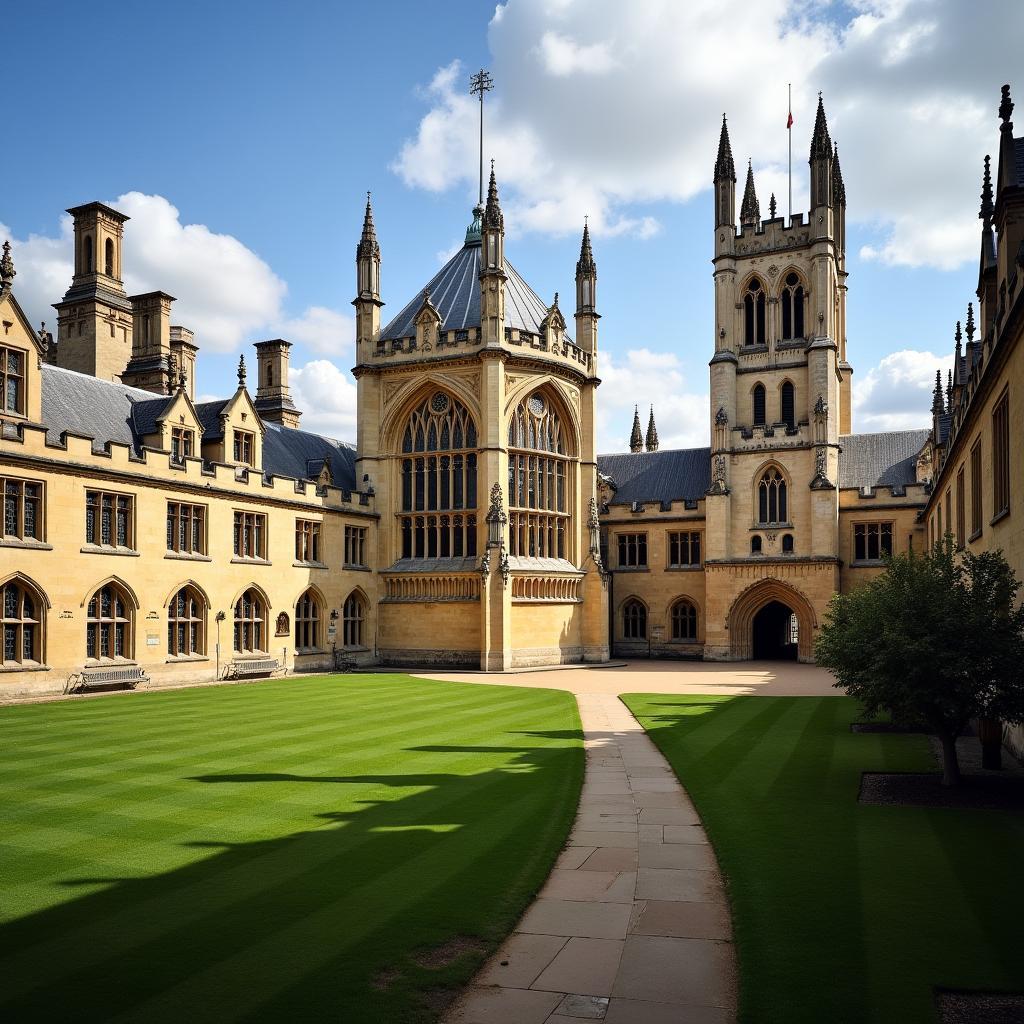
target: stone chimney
<point>273,396</point>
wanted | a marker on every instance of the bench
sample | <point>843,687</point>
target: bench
<point>248,668</point>
<point>107,677</point>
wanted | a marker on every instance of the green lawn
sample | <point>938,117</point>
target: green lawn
<point>841,912</point>
<point>278,851</point>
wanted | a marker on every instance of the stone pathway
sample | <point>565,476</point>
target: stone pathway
<point>632,926</point>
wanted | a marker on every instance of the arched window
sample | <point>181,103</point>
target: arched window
<point>634,620</point>
<point>108,257</point>
<point>787,543</point>
<point>753,313</point>
<point>270,375</point>
<point>438,500</point>
<point>22,626</point>
<point>186,624</point>
<point>787,405</point>
<point>538,480</point>
<point>108,630</point>
<point>307,622</point>
<point>87,254</point>
<point>771,498</point>
<point>684,621</point>
<point>792,300</point>
<point>759,405</point>
<point>755,545</point>
<point>250,623</point>
<point>352,620</point>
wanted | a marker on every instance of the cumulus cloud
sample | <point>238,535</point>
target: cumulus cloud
<point>649,378</point>
<point>897,393</point>
<point>322,330</point>
<point>327,397</point>
<point>601,107</point>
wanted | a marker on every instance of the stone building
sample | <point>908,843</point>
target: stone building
<point>472,523</point>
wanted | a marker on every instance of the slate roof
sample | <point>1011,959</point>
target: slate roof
<point>108,411</point>
<point>1018,146</point>
<point>880,460</point>
<point>455,294</point>
<point>669,475</point>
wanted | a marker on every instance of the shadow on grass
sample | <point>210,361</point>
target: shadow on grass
<point>306,924</point>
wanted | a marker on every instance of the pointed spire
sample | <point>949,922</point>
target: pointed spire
<point>725,169</point>
<point>241,371</point>
<point>957,352</point>
<point>636,438</point>
<point>970,323</point>
<point>821,144</point>
<point>750,210</point>
<point>987,205</point>
<point>838,187</point>
<point>652,433</point>
<point>585,264</point>
<point>493,217</point>
<point>772,205</point>
<point>7,271</point>
<point>1005,110</point>
<point>949,391</point>
<point>937,407</point>
<point>368,240</point>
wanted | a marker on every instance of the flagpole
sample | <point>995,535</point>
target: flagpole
<point>789,129</point>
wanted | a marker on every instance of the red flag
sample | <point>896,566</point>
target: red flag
<point>789,120</point>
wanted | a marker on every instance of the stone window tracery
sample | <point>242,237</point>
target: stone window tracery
<point>22,626</point>
<point>634,620</point>
<point>771,498</point>
<point>792,301</point>
<point>307,622</point>
<point>684,621</point>
<point>186,616</point>
<point>250,623</point>
<point>109,624</point>
<point>538,480</point>
<point>754,313</point>
<point>437,517</point>
<point>352,621</point>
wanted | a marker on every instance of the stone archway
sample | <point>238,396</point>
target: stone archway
<point>759,614</point>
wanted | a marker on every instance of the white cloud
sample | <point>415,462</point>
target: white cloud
<point>327,397</point>
<point>601,107</point>
<point>648,378</point>
<point>897,393</point>
<point>322,330</point>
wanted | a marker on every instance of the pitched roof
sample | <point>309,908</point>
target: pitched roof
<point>109,411</point>
<point>672,475</point>
<point>455,294</point>
<point>886,459</point>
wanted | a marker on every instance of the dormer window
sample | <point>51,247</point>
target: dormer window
<point>182,443</point>
<point>12,380</point>
<point>243,447</point>
<point>753,313</point>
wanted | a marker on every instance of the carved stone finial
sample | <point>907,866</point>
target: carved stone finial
<point>636,437</point>
<point>593,522</point>
<point>771,206</point>
<point>7,271</point>
<point>241,371</point>
<point>496,512</point>
<point>1006,107</point>
<point>970,322</point>
<point>504,567</point>
<point>652,433</point>
<point>987,204</point>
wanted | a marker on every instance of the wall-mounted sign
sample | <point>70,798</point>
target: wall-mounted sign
<point>66,614</point>
<point>152,615</point>
<point>152,639</point>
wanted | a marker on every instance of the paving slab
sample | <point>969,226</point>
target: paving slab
<point>632,925</point>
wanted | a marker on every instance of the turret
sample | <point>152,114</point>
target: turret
<point>1009,199</point>
<point>938,409</point>
<point>821,160</point>
<point>750,210</point>
<point>150,364</point>
<point>367,300</point>
<point>273,394</point>
<point>725,181</point>
<point>839,204</point>
<point>586,296</point>
<point>492,267</point>
<point>652,433</point>
<point>986,291</point>
<point>636,437</point>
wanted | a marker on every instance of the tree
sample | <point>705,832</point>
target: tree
<point>936,639</point>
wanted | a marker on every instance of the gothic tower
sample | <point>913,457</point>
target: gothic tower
<point>779,402</point>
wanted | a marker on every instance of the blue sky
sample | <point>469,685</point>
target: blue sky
<point>268,125</point>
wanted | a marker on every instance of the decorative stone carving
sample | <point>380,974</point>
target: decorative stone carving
<point>504,567</point>
<point>485,564</point>
<point>721,417</point>
<point>282,625</point>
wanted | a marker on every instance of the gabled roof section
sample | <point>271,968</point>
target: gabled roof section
<point>880,460</point>
<point>455,293</point>
<point>209,414</point>
<point>673,475</point>
<point>300,454</point>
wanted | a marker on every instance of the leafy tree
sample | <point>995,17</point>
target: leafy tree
<point>936,638</point>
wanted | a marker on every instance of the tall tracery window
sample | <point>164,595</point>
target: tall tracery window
<point>759,405</point>
<point>22,622</point>
<point>792,300</point>
<point>753,313</point>
<point>634,620</point>
<point>438,506</point>
<point>771,497</point>
<point>307,622</point>
<point>108,630</point>
<point>684,621</point>
<point>250,623</point>
<point>538,480</point>
<point>787,403</point>
<point>352,620</point>
<point>186,620</point>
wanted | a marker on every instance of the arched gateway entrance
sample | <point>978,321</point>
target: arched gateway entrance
<point>772,620</point>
